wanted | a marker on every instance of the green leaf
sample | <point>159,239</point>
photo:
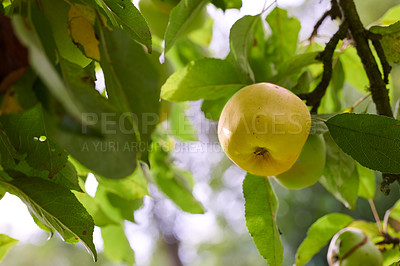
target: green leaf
<point>390,41</point>
<point>7,150</point>
<point>336,85</point>
<point>128,18</point>
<point>6,243</point>
<point>41,152</point>
<point>367,185</point>
<point>208,79</point>
<point>132,80</point>
<point>95,210</point>
<point>57,14</point>
<point>226,4</point>
<point>212,108</point>
<point>370,229</point>
<point>261,205</point>
<point>319,234</point>
<point>391,257</point>
<point>172,181</point>
<point>180,18</point>
<point>391,16</point>
<point>2,191</point>
<point>241,40</point>
<point>180,125</point>
<point>395,211</point>
<point>115,207</point>
<point>131,187</point>
<point>116,245</point>
<point>106,134</point>
<point>366,138</point>
<point>57,208</point>
<point>43,66</point>
<point>285,31</point>
<point>340,175</point>
<point>294,64</point>
<point>66,177</point>
<point>354,70</point>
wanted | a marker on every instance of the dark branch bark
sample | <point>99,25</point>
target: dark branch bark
<point>314,98</point>
<point>376,41</point>
<point>377,84</point>
<point>333,12</point>
<point>378,88</point>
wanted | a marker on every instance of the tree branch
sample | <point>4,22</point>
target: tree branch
<point>333,12</point>
<point>314,98</point>
<point>357,31</point>
<point>376,41</point>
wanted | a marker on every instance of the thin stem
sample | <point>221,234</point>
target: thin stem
<point>396,109</point>
<point>386,220</point>
<point>351,109</point>
<point>376,216</point>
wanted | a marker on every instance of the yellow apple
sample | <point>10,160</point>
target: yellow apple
<point>350,247</point>
<point>309,167</point>
<point>263,128</point>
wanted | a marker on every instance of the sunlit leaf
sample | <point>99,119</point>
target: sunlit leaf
<point>285,31</point>
<point>391,16</point>
<point>125,15</point>
<point>180,125</point>
<point>57,208</point>
<point>354,70</point>
<point>319,234</point>
<point>203,79</point>
<point>116,245</point>
<point>81,20</point>
<point>226,4</point>
<point>261,206</point>
<point>241,40</point>
<point>171,180</point>
<point>57,14</point>
<point>116,207</point>
<point>180,18</point>
<point>6,243</point>
<point>367,185</point>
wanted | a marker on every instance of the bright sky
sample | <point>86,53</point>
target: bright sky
<point>16,222</point>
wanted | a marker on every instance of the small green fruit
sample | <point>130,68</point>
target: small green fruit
<point>309,167</point>
<point>350,247</point>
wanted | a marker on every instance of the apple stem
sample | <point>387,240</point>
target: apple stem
<point>376,216</point>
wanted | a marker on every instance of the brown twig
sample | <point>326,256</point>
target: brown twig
<point>376,41</point>
<point>314,98</point>
<point>333,12</point>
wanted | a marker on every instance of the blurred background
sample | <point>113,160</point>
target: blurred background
<point>164,235</point>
